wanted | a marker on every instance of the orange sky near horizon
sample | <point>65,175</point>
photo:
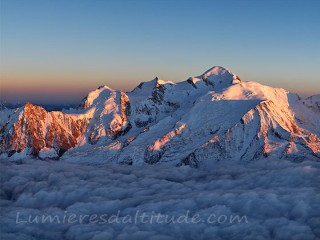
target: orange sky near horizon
<point>55,52</point>
<point>48,88</point>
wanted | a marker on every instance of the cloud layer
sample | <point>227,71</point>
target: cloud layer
<point>280,200</point>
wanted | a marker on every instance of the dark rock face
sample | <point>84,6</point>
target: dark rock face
<point>192,83</point>
<point>152,157</point>
<point>190,160</point>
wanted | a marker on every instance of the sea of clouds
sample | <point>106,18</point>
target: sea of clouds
<point>264,200</point>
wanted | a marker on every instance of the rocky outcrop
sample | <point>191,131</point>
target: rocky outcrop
<point>35,129</point>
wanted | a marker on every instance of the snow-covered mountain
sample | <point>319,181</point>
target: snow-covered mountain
<point>212,117</point>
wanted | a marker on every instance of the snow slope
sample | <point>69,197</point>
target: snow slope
<point>215,116</point>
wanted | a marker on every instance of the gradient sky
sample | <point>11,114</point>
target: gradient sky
<point>58,51</point>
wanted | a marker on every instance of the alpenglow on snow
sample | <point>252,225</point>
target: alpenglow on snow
<point>212,117</point>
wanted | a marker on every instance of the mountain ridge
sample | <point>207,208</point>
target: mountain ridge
<point>206,117</point>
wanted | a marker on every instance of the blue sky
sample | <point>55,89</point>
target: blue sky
<point>57,51</point>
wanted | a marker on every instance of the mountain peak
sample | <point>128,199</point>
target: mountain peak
<point>29,105</point>
<point>217,70</point>
<point>159,81</point>
<point>93,95</point>
<point>218,75</point>
<point>104,87</point>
